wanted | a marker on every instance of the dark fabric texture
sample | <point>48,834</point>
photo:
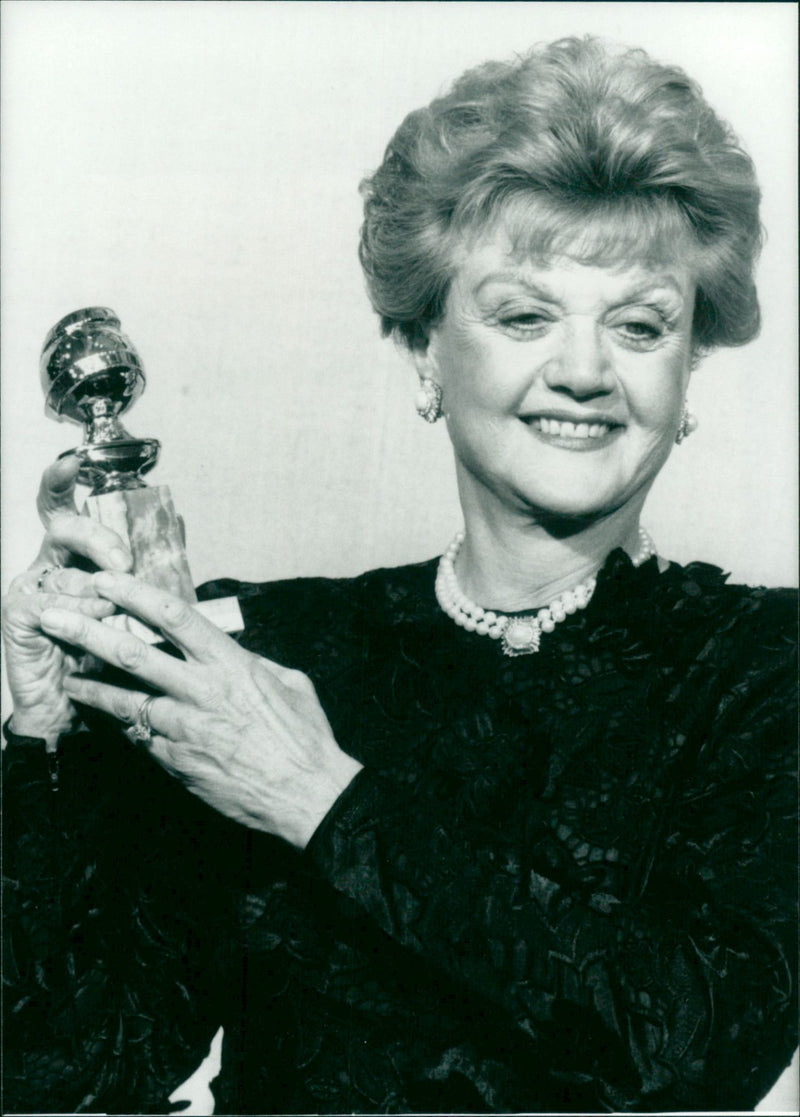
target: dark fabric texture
<point>564,882</point>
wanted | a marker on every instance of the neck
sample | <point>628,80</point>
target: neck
<point>518,565</point>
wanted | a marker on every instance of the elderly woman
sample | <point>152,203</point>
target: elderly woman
<point>507,830</point>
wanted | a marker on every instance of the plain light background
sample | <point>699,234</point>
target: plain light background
<point>195,167</point>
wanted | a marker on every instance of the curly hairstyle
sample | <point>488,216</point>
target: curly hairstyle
<point>575,147</point>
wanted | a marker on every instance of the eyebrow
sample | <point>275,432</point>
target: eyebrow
<point>665,282</point>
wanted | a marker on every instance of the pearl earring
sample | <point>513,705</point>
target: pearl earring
<point>428,400</point>
<point>687,424</point>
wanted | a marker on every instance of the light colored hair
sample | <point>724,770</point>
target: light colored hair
<point>575,147</point>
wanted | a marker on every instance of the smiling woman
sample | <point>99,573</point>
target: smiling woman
<point>541,859</point>
<point>562,386</point>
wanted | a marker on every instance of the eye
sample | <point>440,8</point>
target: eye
<point>642,329</point>
<point>641,333</point>
<point>523,322</point>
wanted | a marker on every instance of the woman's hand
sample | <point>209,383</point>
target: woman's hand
<point>245,734</point>
<point>36,665</point>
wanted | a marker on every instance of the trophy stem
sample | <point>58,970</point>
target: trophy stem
<point>146,518</point>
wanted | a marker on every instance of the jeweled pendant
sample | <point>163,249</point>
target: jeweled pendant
<point>521,636</point>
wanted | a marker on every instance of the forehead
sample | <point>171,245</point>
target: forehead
<point>495,261</point>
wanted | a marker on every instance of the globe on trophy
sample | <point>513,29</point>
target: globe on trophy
<point>91,375</point>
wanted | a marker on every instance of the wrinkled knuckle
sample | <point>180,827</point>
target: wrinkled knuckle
<point>177,613</point>
<point>57,579</point>
<point>131,654</point>
<point>21,584</point>
<point>121,707</point>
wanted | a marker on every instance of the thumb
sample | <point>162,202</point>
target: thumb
<point>57,490</point>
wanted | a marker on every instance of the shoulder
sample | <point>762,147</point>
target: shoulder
<point>285,619</point>
<point>754,617</point>
<point>698,598</point>
<point>697,625</point>
<point>387,586</point>
<point>717,659</point>
<point>741,659</point>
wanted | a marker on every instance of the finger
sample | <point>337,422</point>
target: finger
<point>164,713</point>
<point>195,636</point>
<point>57,489</point>
<point>52,579</point>
<point>69,534</point>
<point>66,580</point>
<point>120,702</point>
<point>27,609</point>
<point>123,650</point>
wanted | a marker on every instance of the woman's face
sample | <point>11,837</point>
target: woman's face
<point>562,384</point>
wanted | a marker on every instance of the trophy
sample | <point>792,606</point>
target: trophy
<point>91,374</point>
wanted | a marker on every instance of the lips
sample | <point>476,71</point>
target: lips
<point>567,428</point>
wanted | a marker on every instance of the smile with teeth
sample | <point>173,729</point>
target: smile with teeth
<point>565,429</point>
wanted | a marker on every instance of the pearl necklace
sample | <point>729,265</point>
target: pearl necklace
<point>518,635</point>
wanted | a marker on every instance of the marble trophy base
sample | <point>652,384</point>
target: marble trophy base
<point>146,518</point>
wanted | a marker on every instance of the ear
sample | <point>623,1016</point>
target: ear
<point>693,362</point>
<point>425,359</point>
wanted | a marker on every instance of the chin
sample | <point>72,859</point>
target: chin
<point>579,494</point>
<point>576,507</point>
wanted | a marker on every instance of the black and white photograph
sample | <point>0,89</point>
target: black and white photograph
<point>399,557</point>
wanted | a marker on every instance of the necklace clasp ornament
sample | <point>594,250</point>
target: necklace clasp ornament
<point>521,636</point>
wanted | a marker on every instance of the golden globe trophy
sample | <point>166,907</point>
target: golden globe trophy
<point>91,374</point>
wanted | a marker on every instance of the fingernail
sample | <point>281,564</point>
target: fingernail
<point>68,465</point>
<point>120,559</point>
<point>71,684</point>
<point>104,580</point>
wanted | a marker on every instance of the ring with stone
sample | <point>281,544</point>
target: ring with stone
<point>142,730</point>
<point>51,569</point>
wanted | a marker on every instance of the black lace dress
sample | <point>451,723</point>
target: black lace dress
<point>562,882</point>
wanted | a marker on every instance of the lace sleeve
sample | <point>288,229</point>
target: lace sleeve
<point>108,994</point>
<point>661,974</point>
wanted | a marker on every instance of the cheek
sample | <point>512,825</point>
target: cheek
<point>482,374</point>
<point>466,382</point>
<point>656,394</point>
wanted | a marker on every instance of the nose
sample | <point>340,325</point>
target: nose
<point>581,367</point>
